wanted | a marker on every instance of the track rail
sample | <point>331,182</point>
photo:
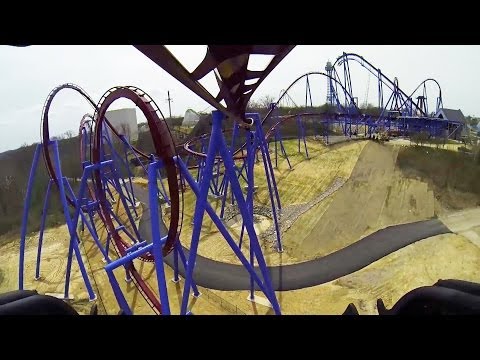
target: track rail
<point>45,130</point>
<point>268,132</point>
<point>374,71</point>
<point>164,146</point>
<point>165,150</point>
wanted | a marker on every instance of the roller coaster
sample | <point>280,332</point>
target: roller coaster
<point>213,166</point>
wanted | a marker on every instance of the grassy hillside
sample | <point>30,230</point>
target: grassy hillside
<point>14,172</point>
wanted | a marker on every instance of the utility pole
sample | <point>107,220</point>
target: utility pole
<point>169,99</point>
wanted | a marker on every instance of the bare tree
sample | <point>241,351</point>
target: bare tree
<point>262,103</point>
<point>266,100</point>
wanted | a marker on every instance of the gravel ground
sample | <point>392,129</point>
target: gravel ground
<point>287,215</point>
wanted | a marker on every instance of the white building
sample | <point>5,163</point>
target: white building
<point>125,122</point>
<point>191,118</point>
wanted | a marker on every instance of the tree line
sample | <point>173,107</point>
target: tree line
<point>14,174</point>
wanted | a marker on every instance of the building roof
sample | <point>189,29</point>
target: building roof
<point>452,115</point>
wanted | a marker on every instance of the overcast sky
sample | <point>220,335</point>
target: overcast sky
<point>28,74</point>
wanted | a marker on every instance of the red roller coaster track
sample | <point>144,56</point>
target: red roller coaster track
<point>165,150</point>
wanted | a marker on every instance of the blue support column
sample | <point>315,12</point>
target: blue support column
<point>250,161</point>
<point>224,198</point>
<point>123,261</point>
<point>130,196</point>
<point>198,216</point>
<point>72,230</point>
<point>211,212</point>
<point>276,148</point>
<point>217,143</point>
<point>122,302</point>
<point>183,259</point>
<point>42,229</point>
<point>229,166</point>
<point>267,162</point>
<point>271,182</point>
<point>156,235</point>
<point>92,221</point>
<point>26,208</point>
<point>79,212</point>
<point>249,202</point>
<point>176,277</point>
<point>163,192</point>
<point>125,205</point>
<point>278,139</point>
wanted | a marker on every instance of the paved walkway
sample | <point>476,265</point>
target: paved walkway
<point>217,275</point>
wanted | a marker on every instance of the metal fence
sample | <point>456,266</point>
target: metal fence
<point>232,309</point>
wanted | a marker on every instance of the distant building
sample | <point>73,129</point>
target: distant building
<point>125,122</point>
<point>450,114</point>
<point>455,115</point>
<point>191,118</point>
